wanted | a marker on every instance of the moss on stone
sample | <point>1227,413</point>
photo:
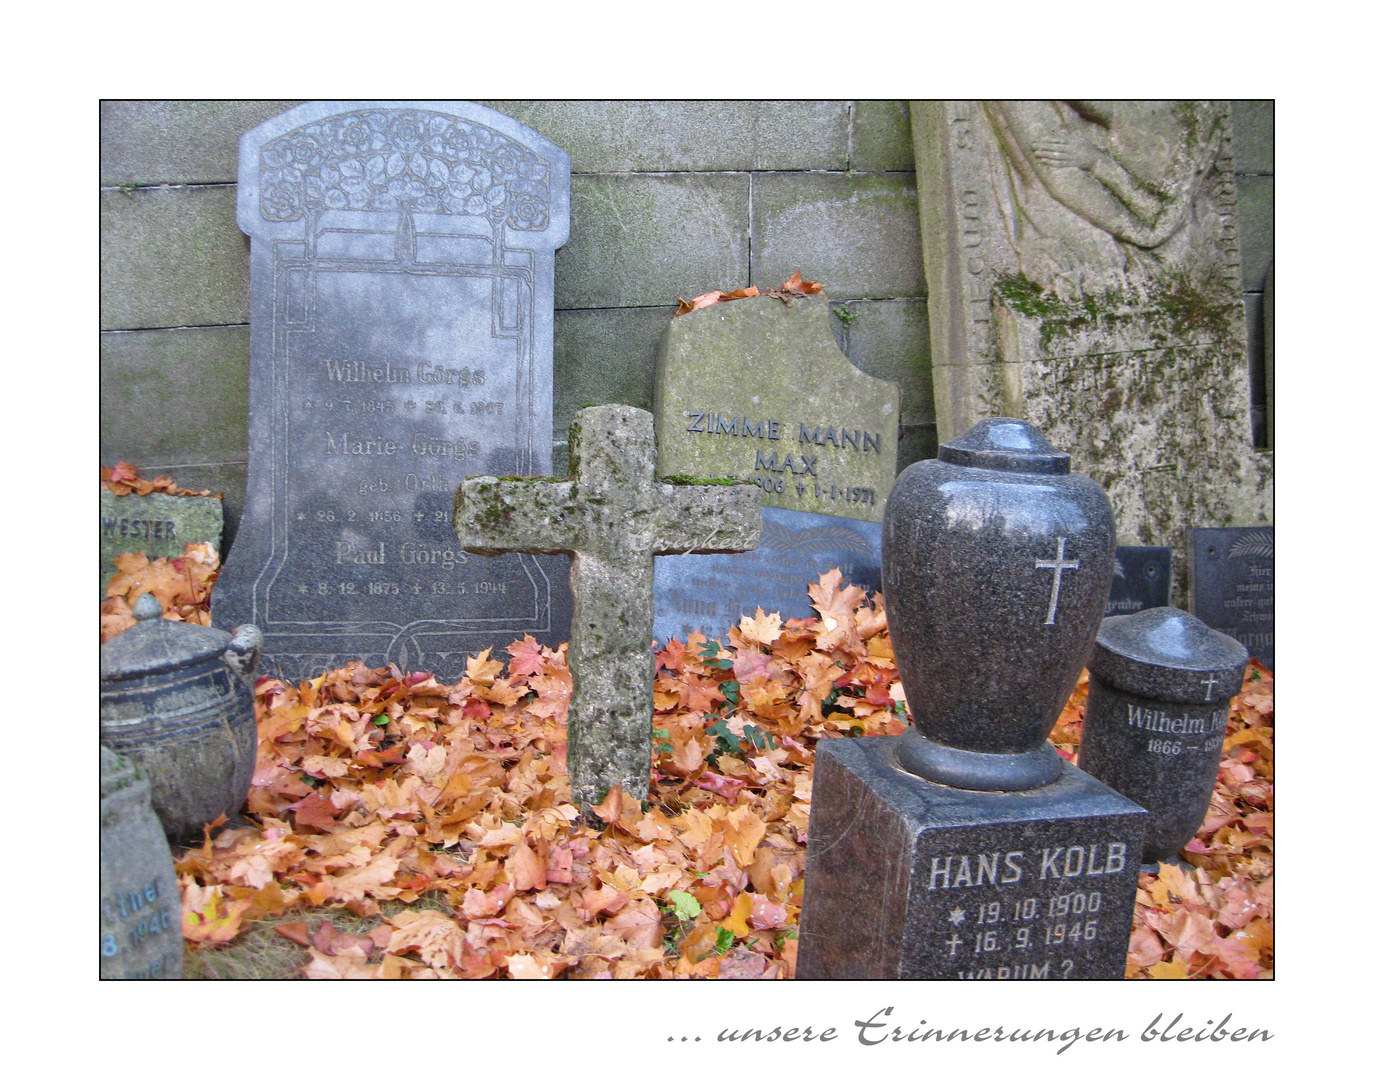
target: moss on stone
<point>700,481</point>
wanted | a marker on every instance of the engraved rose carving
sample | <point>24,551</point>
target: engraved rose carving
<point>410,158</point>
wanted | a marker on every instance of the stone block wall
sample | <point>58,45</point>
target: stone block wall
<point>669,200</point>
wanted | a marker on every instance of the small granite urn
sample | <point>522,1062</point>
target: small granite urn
<point>979,852</point>
<point>178,699</point>
<point>140,905</point>
<point>1159,693</point>
<point>997,565</point>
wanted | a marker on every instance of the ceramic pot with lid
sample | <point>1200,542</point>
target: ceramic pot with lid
<point>178,699</point>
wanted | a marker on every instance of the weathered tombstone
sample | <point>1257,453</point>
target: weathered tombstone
<point>1233,586</point>
<point>756,389</point>
<point>981,853</point>
<point>158,525</point>
<point>402,338</point>
<point>140,905</point>
<point>1084,274</point>
<point>1159,694</point>
<point>1141,579</point>
<point>612,516</point>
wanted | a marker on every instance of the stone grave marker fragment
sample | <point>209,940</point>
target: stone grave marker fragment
<point>1140,580</point>
<point>402,338</point>
<point>756,389</point>
<point>1233,589</point>
<point>612,515</point>
<point>1159,694</point>
<point>980,852</point>
<point>1084,271</point>
<point>140,904</point>
<point>158,525</point>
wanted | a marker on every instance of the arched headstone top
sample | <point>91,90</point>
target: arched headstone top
<point>430,157</point>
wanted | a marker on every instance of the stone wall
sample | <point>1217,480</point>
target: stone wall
<point>669,199</point>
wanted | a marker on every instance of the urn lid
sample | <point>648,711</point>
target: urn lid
<point>155,644</point>
<point>1168,654</point>
<point>1007,445</point>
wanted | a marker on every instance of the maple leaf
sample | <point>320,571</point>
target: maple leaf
<point>206,918</point>
<point>761,629</point>
<point>527,657</point>
<point>481,670</point>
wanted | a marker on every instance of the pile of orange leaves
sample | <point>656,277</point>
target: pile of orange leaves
<point>791,289</point>
<point>450,805</point>
<point>181,584</point>
<point>123,479</point>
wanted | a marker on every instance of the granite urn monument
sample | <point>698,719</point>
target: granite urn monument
<point>1233,588</point>
<point>1084,272</point>
<point>1159,694</point>
<point>983,855</point>
<point>178,700</point>
<point>612,515</point>
<point>757,390</point>
<point>401,339</point>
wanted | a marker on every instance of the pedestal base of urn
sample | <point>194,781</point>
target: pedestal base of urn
<point>973,771</point>
<point>909,879</point>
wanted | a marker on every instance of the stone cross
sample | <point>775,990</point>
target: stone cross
<point>612,515</point>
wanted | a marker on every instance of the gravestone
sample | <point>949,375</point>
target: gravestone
<point>757,390</point>
<point>1084,274</point>
<point>612,516</point>
<point>1159,695</point>
<point>402,338</point>
<point>1141,579</point>
<point>158,525</point>
<point>140,905</point>
<point>1233,588</point>
<point>709,593</point>
<point>979,852</point>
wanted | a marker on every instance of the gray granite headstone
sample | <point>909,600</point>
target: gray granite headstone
<point>158,525</point>
<point>709,593</point>
<point>402,339</point>
<point>1159,695</point>
<point>757,390</point>
<point>978,852</point>
<point>1233,588</point>
<point>612,516</point>
<point>1140,580</point>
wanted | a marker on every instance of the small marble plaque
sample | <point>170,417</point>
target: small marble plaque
<point>1233,585</point>
<point>402,339</point>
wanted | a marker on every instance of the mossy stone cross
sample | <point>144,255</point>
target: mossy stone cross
<point>612,515</point>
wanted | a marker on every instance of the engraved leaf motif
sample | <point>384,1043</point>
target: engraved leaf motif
<point>1120,570</point>
<point>395,164</point>
<point>1255,544</point>
<point>376,169</point>
<point>438,169</point>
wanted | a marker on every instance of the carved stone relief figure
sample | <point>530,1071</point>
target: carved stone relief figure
<point>1102,194</point>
